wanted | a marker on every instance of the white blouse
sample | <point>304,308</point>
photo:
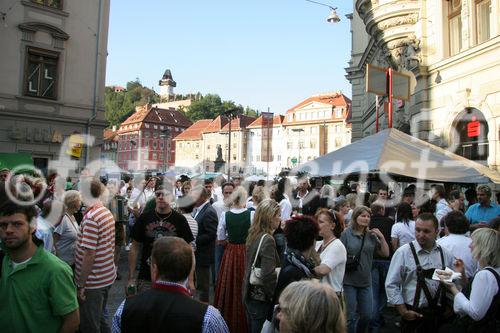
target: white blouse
<point>484,288</point>
<point>221,228</point>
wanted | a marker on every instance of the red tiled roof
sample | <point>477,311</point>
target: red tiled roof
<point>216,125</point>
<point>277,120</point>
<point>335,99</point>
<point>155,115</point>
<point>195,131</point>
<point>239,123</point>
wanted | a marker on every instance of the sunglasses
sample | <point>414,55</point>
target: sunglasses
<point>161,194</point>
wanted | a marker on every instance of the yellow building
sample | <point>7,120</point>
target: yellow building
<point>316,126</point>
<point>189,146</point>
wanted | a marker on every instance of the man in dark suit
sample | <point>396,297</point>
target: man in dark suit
<point>206,216</point>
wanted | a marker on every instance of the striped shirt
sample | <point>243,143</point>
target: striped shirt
<point>97,232</point>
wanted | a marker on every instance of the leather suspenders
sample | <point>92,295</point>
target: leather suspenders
<point>421,275</point>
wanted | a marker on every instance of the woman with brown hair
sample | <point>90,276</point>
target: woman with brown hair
<point>232,232</point>
<point>261,253</point>
<point>331,251</point>
<point>360,243</point>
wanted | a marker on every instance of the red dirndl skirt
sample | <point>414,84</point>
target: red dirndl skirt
<point>228,292</point>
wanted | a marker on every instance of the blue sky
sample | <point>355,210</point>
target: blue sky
<point>259,53</point>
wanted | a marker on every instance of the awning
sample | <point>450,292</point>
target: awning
<point>15,160</point>
<point>392,152</point>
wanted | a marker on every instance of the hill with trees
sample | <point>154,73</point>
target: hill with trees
<point>119,105</point>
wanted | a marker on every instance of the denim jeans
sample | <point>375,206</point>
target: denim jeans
<point>379,273</point>
<point>359,308</point>
<point>257,312</point>
<point>93,311</point>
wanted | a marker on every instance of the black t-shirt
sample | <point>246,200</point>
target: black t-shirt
<point>150,226</point>
<point>384,224</point>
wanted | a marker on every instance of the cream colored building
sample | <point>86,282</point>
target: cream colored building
<point>189,147</point>
<point>451,50</point>
<point>258,141</point>
<point>52,65</point>
<point>217,134</point>
<point>316,126</point>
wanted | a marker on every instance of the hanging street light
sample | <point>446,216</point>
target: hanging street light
<point>333,17</point>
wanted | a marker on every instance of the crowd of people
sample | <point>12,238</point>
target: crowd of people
<point>234,256</point>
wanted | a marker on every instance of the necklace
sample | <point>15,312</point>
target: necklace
<point>163,219</point>
<point>325,245</point>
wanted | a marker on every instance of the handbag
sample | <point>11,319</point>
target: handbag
<point>269,326</point>
<point>255,272</point>
<point>352,262</point>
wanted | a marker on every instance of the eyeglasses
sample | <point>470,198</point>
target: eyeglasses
<point>161,194</point>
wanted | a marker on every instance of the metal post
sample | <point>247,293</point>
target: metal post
<point>165,150</point>
<point>325,138</point>
<point>389,80</point>
<point>139,154</point>
<point>268,142</point>
<point>376,113</point>
<point>229,150</point>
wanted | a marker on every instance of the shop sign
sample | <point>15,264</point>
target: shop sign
<point>473,128</point>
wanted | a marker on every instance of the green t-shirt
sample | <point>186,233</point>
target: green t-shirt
<point>35,295</point>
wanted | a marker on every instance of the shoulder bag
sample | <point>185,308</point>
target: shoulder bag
<point>255,272</point>
<point>352,262</point>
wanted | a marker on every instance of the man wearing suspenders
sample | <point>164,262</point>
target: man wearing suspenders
<point>419,299</point>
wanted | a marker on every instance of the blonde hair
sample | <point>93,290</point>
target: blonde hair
<point>310,306</point>
<point>351,199</point>
<point>262,220</point>
<point>258,194</point>
<point>71,198</point>
<point>238,197</point>
<point>486,243</point>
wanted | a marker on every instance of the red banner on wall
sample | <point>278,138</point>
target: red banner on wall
<point>267,136</point>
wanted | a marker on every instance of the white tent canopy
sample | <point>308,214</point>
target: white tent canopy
<point>395,153</point>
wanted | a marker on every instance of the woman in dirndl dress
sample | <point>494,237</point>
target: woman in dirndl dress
<point>232,231</point>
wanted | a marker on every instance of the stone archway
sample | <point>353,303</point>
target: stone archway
<point>470,133</point>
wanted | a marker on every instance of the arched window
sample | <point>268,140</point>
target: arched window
<point>472,132</point>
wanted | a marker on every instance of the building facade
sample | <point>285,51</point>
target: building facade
<point>265,151</point>
<point>53,65</point>
<point>109,148</point>
<point>316,126</point>
<point>449,48</point>
<point>189,147</point>
<point>264,146</point>
<point>145,139</point>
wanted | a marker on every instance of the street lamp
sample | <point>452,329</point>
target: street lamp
<point>165,134</point>
<point>298,130</point>
<point>333,17</point>
<point>231,114</point>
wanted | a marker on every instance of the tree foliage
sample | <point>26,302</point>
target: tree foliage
<point>120,105</point>
<point>211,105</point>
